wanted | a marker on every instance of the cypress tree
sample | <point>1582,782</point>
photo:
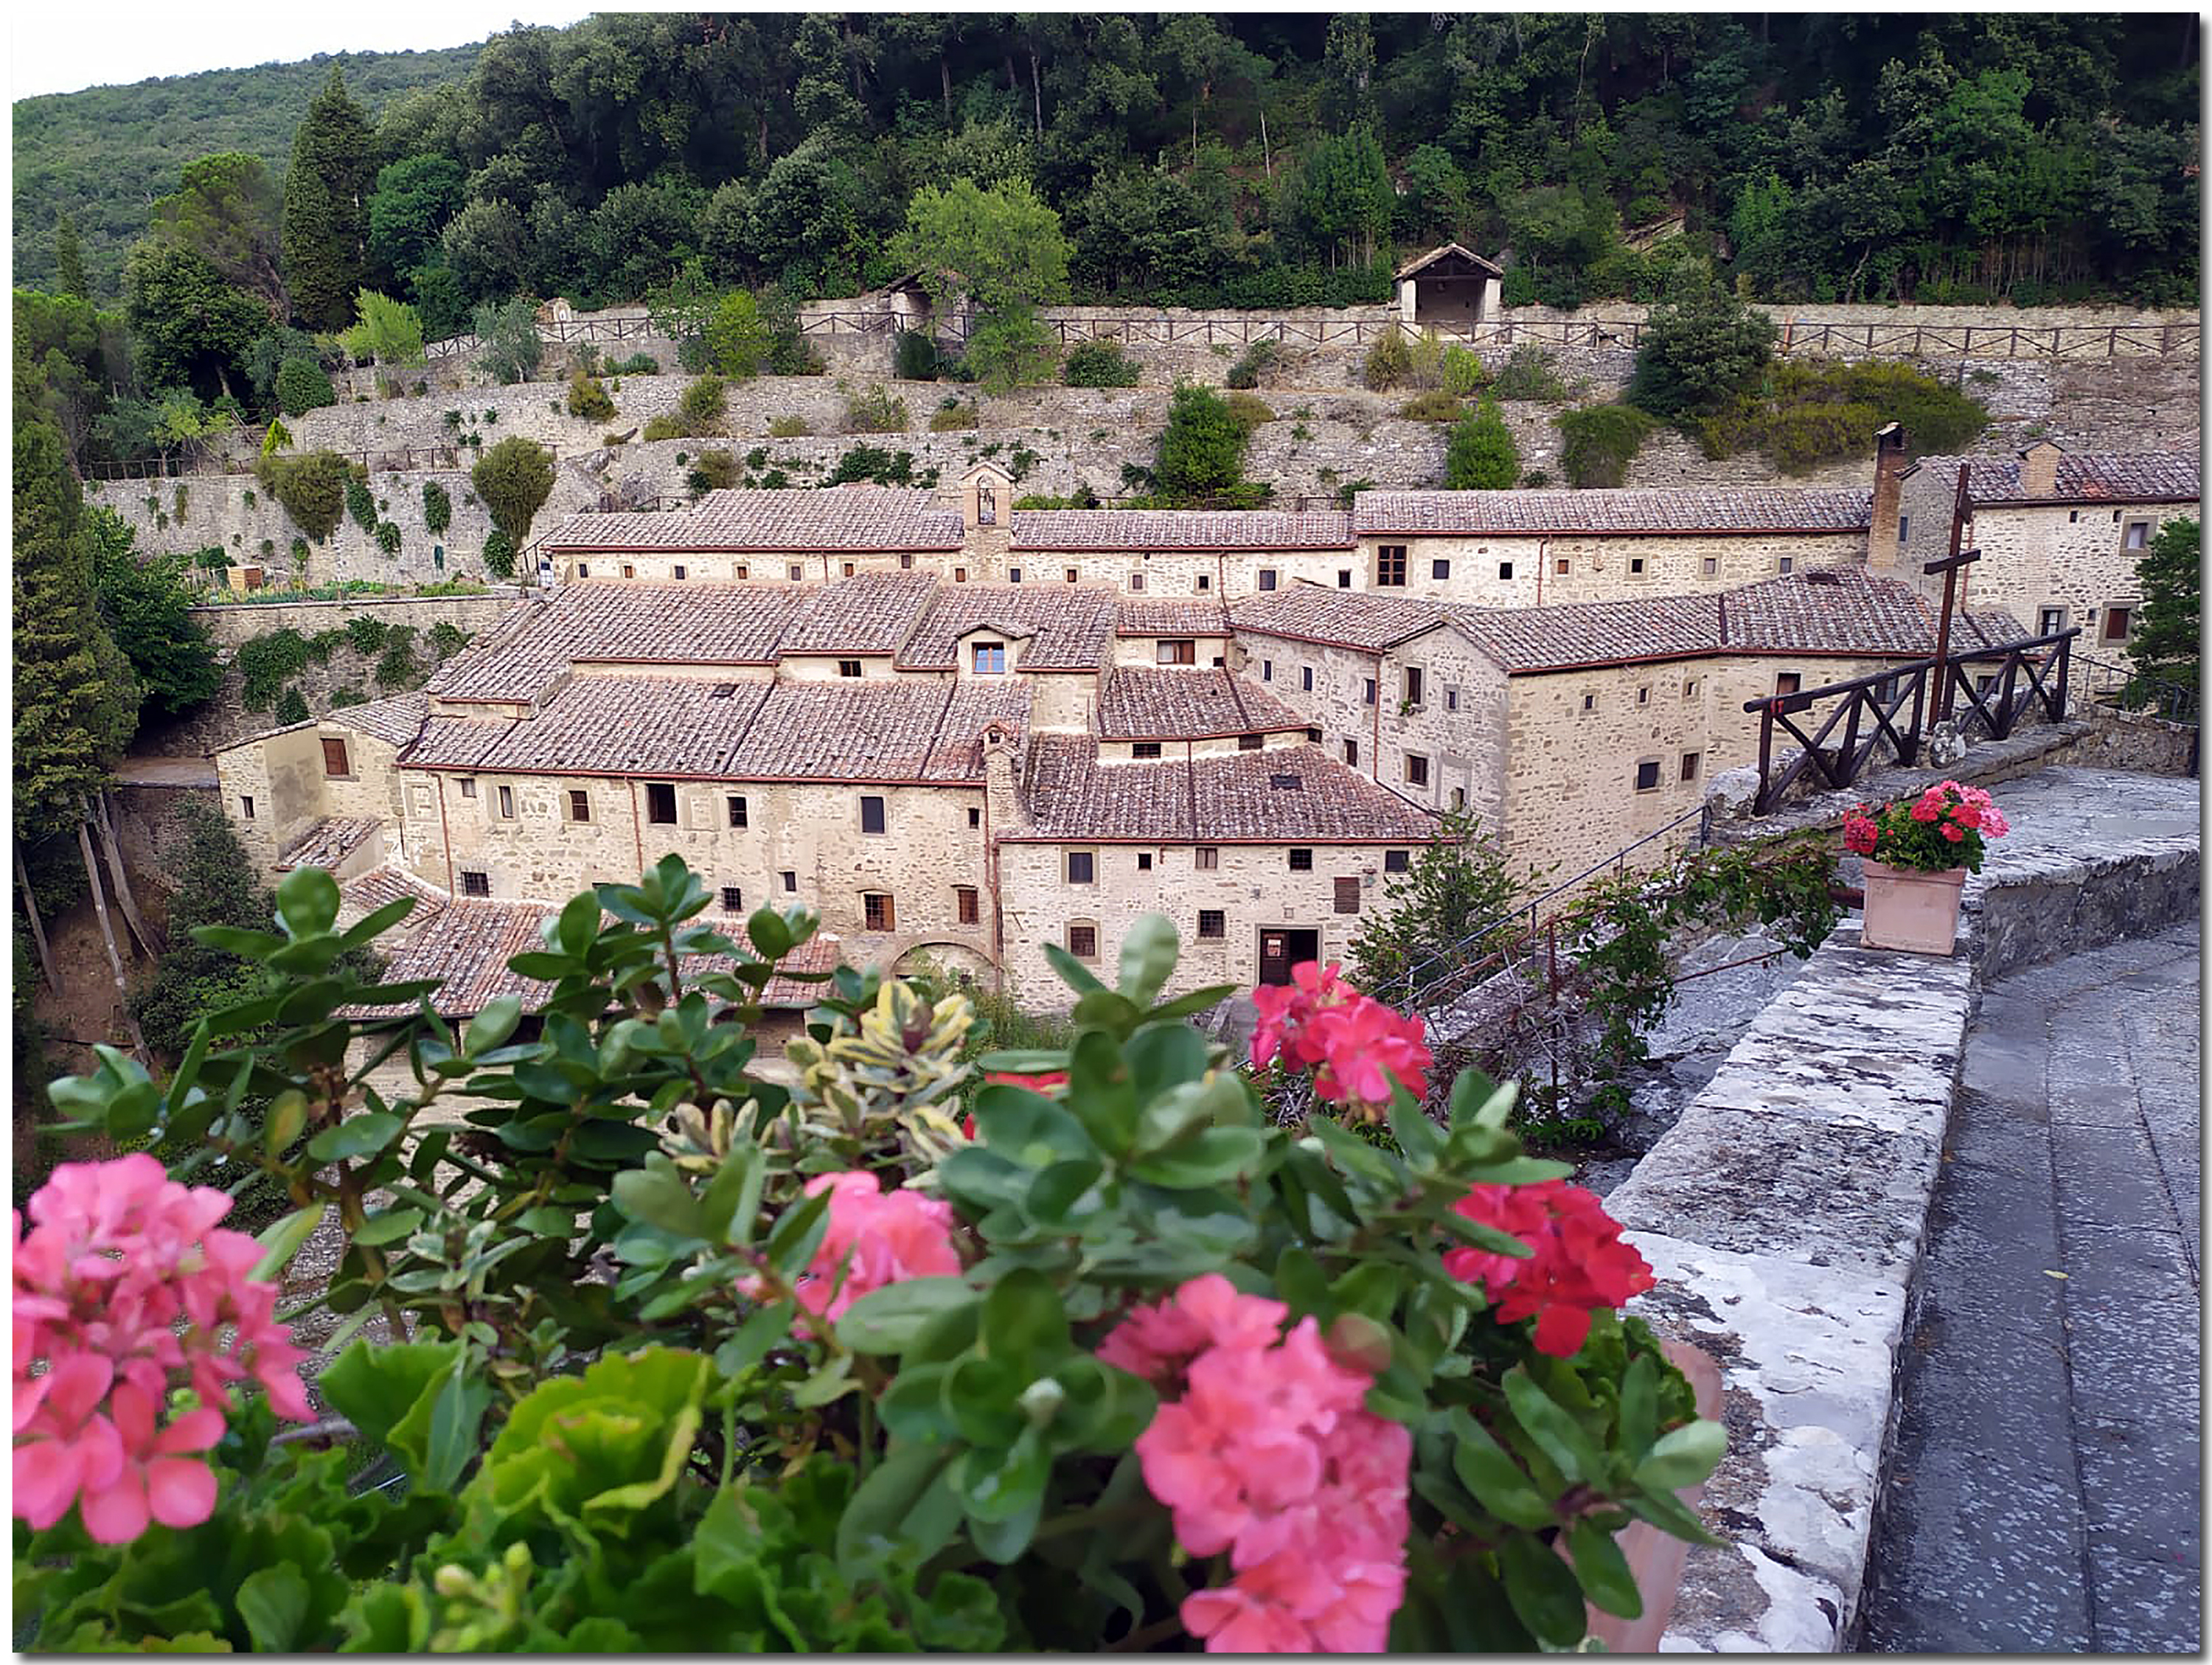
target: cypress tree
<point>326,194</point>
<point>69,260</point>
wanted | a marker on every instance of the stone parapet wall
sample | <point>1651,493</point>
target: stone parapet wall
<point>233,624</point>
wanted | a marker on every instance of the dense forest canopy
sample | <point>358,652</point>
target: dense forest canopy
<point>1951,156</point>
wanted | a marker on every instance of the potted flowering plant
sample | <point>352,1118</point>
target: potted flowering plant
<point>677,1357</point>
<point>1918,852</point>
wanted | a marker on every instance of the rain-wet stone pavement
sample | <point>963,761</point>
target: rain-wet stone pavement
<point>2042,1495</point>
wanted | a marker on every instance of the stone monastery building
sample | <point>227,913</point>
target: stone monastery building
<point>965,730</point>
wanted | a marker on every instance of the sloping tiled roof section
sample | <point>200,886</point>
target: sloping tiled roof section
<point>871,614</point>
<point>679,726</point>
<point>1186,615</point>
<point>455,742</point>
<point>2115,477</point>
<point>397,720</point>
<point>365,893</point>
<point>1707,510</point>
<point>1142,703</point>
<point>1277,797</point>
<point>1525,639</point>
<point>329,841</point>
<point>466,948</point>
<point>681,623</point>
<point>958,754</point>
<point>1144,529</point>
<point>844,730</point>
<point>1346,618</point>
<point>846,517</point>
<point>1069,626</point>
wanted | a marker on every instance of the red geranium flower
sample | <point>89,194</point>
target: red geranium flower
<point>1580,1264</point>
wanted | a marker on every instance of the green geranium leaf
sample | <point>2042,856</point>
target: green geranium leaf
<point>1542,1590</point>
<point>375,1387</point>
<point>273,1602</point>
<point>356,1136</point>
<point>888,1320</point>
<point>1684,1457</point>
<point>1557,1434</point>
<point>1603,1570</point>
<point>1148,958</point>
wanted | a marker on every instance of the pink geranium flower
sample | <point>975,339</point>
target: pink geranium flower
<point>874,1237</point>
<point>124,1285</point>
<point>1360,1045</point>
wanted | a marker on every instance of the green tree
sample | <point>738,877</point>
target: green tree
<point>1347,98</point>
<point>511,346</point>
<point>2165,642</point>
<point>311,488</point>
<point>514,478</point>
<point>69,260</point>
<point>1348,197</point>
<point>326,198</point>
<point>413,199</point>
<point>76,703</point>
<point>736,341</point>
<point>1202,450</point>
<point>1433,918</point>
<point>389,331</point>
<point>989,249</point>
<point>1481,455</point>
<point>192,329</point>
<point>147,607</point>
<point>489,249</point>
<point>225,211</point>
<point>302,385</point>
<point>67,359</point>
<point>1702,347</point>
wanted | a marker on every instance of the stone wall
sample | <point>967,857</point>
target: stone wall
<point>149,825</point>
<point>232,623</point>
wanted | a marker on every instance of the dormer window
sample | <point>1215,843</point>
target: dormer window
<point>989,659</point>
<point>1286,782</point>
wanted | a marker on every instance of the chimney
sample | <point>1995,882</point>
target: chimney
<point>2039,469</point>
<point>1001,779</point>
<point>1889,486</point>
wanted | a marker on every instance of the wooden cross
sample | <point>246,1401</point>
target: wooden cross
<point>1949,566</point>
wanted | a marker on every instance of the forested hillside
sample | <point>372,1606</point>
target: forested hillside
<point>102,156</point>
<point>1254,160</point>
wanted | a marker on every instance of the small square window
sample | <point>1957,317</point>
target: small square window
<point>1352,753</point>
<point>1397,861</point>
<point>1305,678</point>
<point>2050,621</point>
<point>507,804</point>
<point>1367,696</point>
<point>1070,575</point>
<point>1689,766</point>
<point>736,807</point>
<point>336,763</point>
<point>974,815</point>
<point>2137,536</point>
<point>1709,566</point>
<point>960,575</point>
<point>872,819</point>
<point>848,667</point>
<point>580,805</point>
<point>1144,861</point>
<point>878,912</point>
<point>1206,858</point>
<point>659,803</point>
<point>1442,570</point>
<point>1786,563</point>
<point>1451,698</point>
<point>1266,577</point>
<point>583,569</point>
<point>795,572</point>
<point>1390,567</point>
<point>1204,582</point>
<point>989,659</point>
<point>1690,689</point>
<point>1343,580</point>
<point>1083,941</point>
<point>1250,742</point>
<point>848,569</point>
<point>678,572</point>
<point>1635,565</point>
<point>1644,696</point>
<point>906,563</point>
<point>1267,669</point>
<point>628,570</point>
<point>1213,924</point>
<point>1082,867</point>
<point>1013,574</point>
<point>1178,653</point>
<point>1347,896</point>
<point>790,882</point>
<point>475,882</point>
<point>1314,735</point>
<point>1136,582</point>
<point>246,807</point>
<point>1301,861</point>
<point>967,904</point>
<point>468,786</point>
<point>1416,769</point>
<point>1143,748</point>
<point>1788,681</point>
<point>745,569</point>
<point>1903,529</point>
<point>733,899</point>
<point>1647,775</point>
<point>2116,624</point>
<point>1589,701</point>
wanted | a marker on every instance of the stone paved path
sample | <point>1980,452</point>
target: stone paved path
<point>2044,1491</point>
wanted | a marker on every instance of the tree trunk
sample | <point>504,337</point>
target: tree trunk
<point>111,848</point>
<point>945,77</point>
<point>38,929</point>
<point>1036,94</point>
<point>1267,156</point>
<point>108,938</point>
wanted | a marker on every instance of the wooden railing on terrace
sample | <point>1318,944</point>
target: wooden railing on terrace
<point>1997,686</point>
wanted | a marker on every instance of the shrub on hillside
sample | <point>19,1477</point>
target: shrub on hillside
<point>360,501</point>
<point>291,707</point>
<point>1098,364</point>
<point>1202,450</point>
<point>311,488</point>
<point>499,554</point>
<point>1702,348</point>
<point>1601,440</point>
<point>1435,405</point>
<point>874,412</point>
<point>1389,363</point>
<point>1251,411</point>
<point>1529,373</point>
<point>713,471</point>
<point>1464,372</point>
<point>1481,455</point>
<point>789,427</point>
<point>1258,359</point>
<point>514,478</point>
<point>1806,414</point>
<point>587,398</point>
<point>915,357</point>
<point>637,364</point>
<point>955,417</point>
<point>437,508</point>
<point>302,385</point>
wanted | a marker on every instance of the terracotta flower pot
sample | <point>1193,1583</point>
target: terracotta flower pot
<point>1655,1558</point>
<point>1911,909</point>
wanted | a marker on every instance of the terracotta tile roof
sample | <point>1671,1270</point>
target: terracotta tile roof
<point>2117,476</point>
<point>871,613</point>
<point>455,742</point>
<point>1188,616</point>
<point>844,730</point>
<point>1178,529</point>
<point>850,517</point>
<point>365,893</point>
<point>631,725</point>
<point>1063,627</point>
<point>1538,513</point>
<point>1142,703</point>
<point>467,945</point>
<point>958,754</point>
<point>329,841</point>
<point>683,624</point>
<point>1072,796</point>
<point>1593,632</point>
<point>1348,618</point>
<point>397,720</point>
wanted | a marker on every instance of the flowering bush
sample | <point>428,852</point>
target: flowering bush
<point>677,1357</point>
<point>1942,828</point>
